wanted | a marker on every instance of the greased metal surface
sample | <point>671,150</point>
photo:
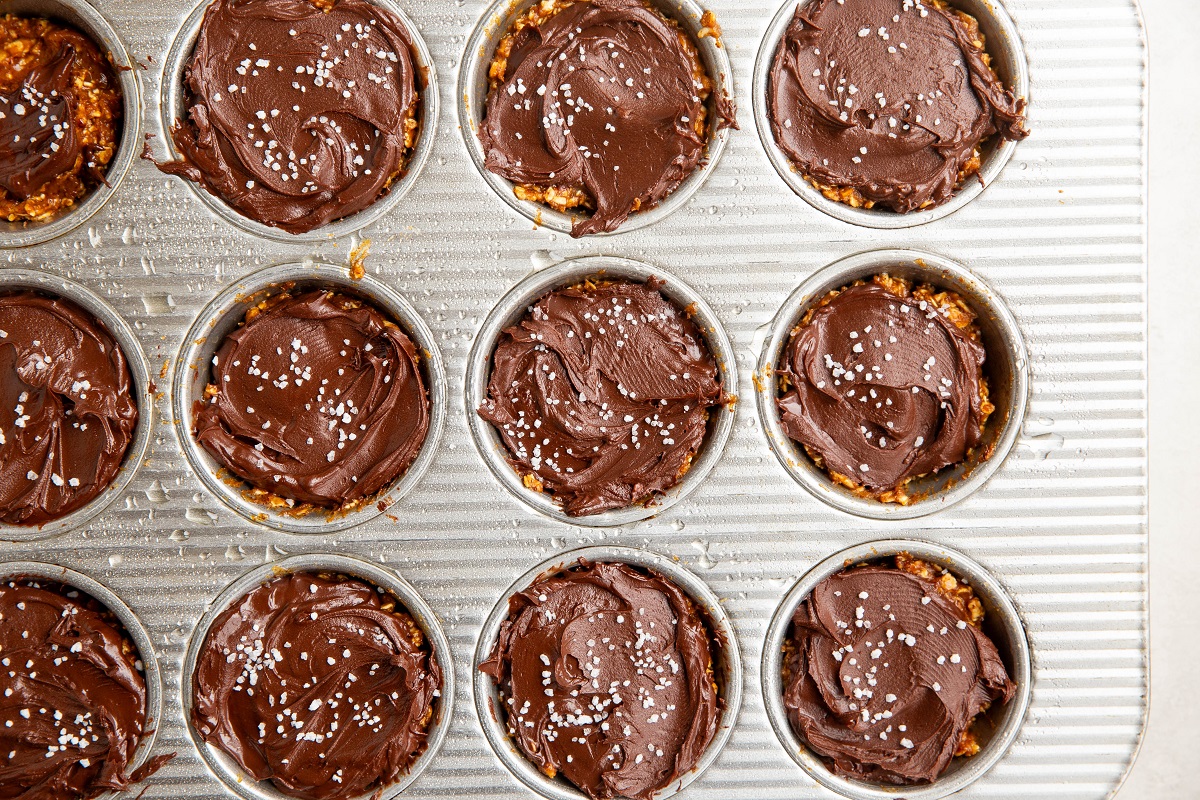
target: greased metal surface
<point>1060,236</point>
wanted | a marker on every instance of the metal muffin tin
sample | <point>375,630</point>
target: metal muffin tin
<point>1002,41</point>
<point>1006,367</point>
<point>1002,624</point>
<point>228,771</point>
<point>727,666</point>
<point>81,15</point>
<point>133,627</point>
<point>472,105</point>
<point>173,107</point>
<point>1061,524</point>
<point>225,314</point>
<point>515,306</point>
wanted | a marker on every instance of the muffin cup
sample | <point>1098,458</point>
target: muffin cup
<point>223,315</point>
<point>133,627</point>
<point>1003,42</point>
<point>1002,623</point>
<point>81,15</point>
<point>228,771</point>
<point>515,305</point>
<point>174,108</point>
<point>472,100</point>
<point>45,283</point>
<point>727,666</point>
<point>1006,367</point>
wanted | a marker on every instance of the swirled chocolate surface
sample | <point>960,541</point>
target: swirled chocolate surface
<point>601,97</point>
<point>73,705</point>
<point>884,674</point>
<point>891,98</point>
<point>67,413</point>
<point>296,114</point>
<point>60,112</point>
<point>323,686</point>
<point>317,398</point>
<point>883,387</point>
<point>601,394</point>
<point>605,673</point>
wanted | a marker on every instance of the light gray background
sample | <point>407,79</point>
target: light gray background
<point>1166,767</point>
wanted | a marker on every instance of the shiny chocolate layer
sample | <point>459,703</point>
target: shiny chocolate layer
<point>882,387</point>
<point>601,394</point>
<point>884,674</point>
<point>891,98</point>
<point>67,411</point>
<point>296,114</point>
<point>601,97</point>
<point>318,398</point>
<point>605,673</point>
<point>60,106</point>
<point>323,686</point>
<point>73,699</point>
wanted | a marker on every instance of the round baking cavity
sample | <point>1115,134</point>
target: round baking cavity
<point>515,305</point>
<point>12,280</point>
<point>727,665</point>
<point>174,108</point>
<point>224,314</point>
<point>133,627</point>
<point>1002,623</point>
<point>227,771</point>
<point>1003,42</point>
<point>1007,368</point>
<point>472,102</point>
<point>81,15</point>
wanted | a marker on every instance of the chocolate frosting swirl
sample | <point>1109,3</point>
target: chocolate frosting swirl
<point>603,96</point>
<point>73,705</point>
<point>888,97</point>
<point>884,388</point>
<point>601,394</point>
<point>67,414</point>
<point>296,114</point>
<point>884,675</point>
<point>40,134</point>
<point>325,687</point>
<point>605,672</point>
<point>318,398</point>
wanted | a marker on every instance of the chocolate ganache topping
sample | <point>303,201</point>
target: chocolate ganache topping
<point>298,115</point>
<point>317,399</point>
<point>889,98</point>
<point>601,394</point>
<point>60,107</point>
<point>323,686</point>
<point>605,673</point>
<point>884,674</point>
<point>606,97</point>
<point>67,415</point>
<point>885,387</point>
<point>73,705</point>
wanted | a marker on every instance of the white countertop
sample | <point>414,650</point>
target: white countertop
<point>1166,767</point>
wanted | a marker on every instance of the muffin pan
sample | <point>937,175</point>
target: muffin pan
<point>1059,525</point>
